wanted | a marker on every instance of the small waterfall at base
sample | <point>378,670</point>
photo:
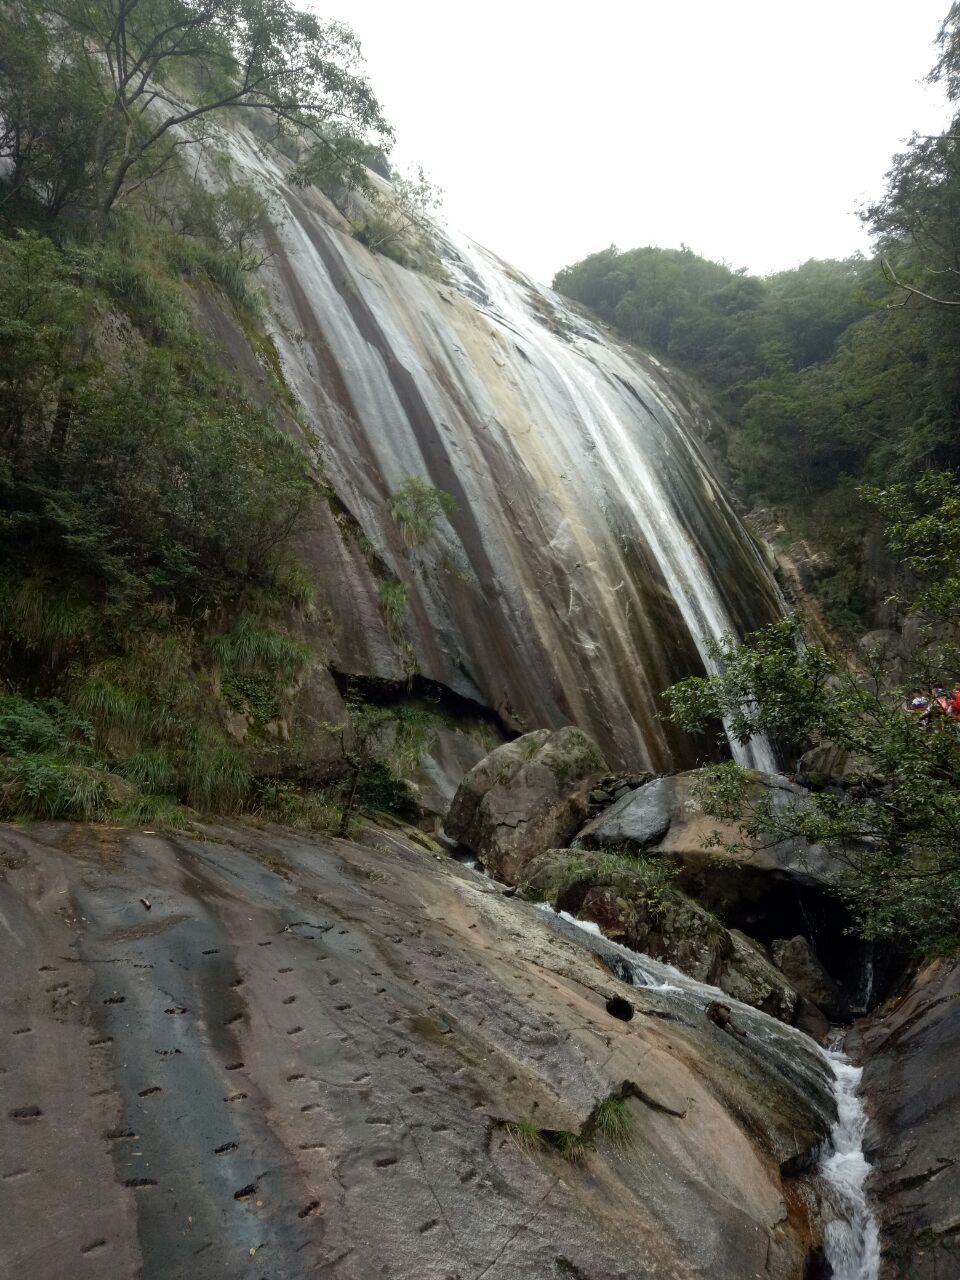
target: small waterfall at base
<point>851,1241</point>
<point>851,1237</point>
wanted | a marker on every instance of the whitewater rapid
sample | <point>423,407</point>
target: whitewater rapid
<point>852,1238</point>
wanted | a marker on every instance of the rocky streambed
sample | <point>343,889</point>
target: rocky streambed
<point>756,928</point>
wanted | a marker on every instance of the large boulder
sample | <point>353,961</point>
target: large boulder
<point>525,797</point>
<point>802,968</point>
<point>636,820</point>
<point>666,817</point>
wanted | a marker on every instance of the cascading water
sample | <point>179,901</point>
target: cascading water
<point>591,557</point>
<point>851,1235</point>
<point>851,1239</point>
<point>621,450</point>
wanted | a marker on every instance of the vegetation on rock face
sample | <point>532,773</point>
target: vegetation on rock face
<point>651,879</point>
<point>893,828</point>
<point>147,510</point>
<point>149,589</point>
<point>416,507</point>
<point>611,1121</point>
<point>833,374</point>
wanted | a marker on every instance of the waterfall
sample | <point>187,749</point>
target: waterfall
<point>628,456</point>
<point>867,983</point>
<point>851,1235</point>
<point>591,557</point>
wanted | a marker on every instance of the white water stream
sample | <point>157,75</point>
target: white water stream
<point>851,1235</point>
<point>851,1239</point>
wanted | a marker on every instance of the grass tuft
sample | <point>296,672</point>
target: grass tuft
<point>568,1145</point>
<point>612,1120</point>
<point>526,1134</point>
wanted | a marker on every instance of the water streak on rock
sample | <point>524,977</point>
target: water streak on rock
<point>592,556</point>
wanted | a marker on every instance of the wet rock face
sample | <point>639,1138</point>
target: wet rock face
<point>653,918</point>
<point>301,1061</point>
<point>545,608</point>
<point>802,968</point>
<point>772,890</point>
<point>664,815</point>
<point>525,797</point>
<point>911,1082</point>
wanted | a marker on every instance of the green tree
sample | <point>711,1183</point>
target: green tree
<point>894,831</point>
<point>98,97</point>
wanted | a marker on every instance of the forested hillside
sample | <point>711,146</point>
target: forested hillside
<point>150,500</point>
<point>833,375</point>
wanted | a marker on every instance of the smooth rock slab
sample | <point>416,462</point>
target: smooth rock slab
<point>911,1085</point>
<point>299,1061</point>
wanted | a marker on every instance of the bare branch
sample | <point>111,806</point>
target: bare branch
<point>892,276</point>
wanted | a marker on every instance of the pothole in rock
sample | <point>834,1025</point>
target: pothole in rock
<point>618,1007</point>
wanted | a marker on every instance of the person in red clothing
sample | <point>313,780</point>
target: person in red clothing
<point>954,708</point>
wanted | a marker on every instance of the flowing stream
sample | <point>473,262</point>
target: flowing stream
<point>851,1239</point>
<point>851,1234</point>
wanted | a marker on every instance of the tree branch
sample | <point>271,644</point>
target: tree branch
<point>891,275</point>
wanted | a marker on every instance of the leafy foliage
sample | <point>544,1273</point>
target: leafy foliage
<point>772,683</point>
<point>193,504</point>
<point>400,216</point>
<point>50,768</point>
<point>99,97</point>
<point>893,831</point>
<point>146,517</point>
<point>923,527</point>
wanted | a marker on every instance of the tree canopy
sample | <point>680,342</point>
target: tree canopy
<point>97,97</point>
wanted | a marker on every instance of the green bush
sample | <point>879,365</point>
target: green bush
<point>416,507</point>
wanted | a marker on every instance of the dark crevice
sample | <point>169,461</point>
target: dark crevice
<point>620,1008</point>
<point>387,693</point>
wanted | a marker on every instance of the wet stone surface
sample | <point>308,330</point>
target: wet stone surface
<point>301,1060</point>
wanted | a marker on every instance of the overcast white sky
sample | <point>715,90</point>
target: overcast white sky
<point>748,129</point>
